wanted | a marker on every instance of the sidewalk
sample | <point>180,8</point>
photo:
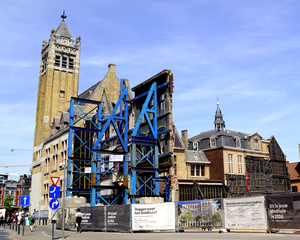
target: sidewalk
<point>40,232</point>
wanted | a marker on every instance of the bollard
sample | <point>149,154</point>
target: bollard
<point>13,227</point>
<point>18,229</point>
<point>23,225</point>
<point>9,226</point>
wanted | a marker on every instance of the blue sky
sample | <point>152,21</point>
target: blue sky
<point>247,52</point>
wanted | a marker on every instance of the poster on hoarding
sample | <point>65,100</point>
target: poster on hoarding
<point>2,212</point>
<point>245,213</point>
<point>92,217</point>
<point>155,216</point>
<point>118,217</point>
<point>283,210</point>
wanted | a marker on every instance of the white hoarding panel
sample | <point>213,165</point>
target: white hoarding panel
<point>156,216</point>
<point>245,213</point>
<point>2,212</point>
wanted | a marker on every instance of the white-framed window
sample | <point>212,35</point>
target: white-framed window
<point>230,163</point>
<point>212,142</point>
<point>195,146</point>
<point>240,164</point>
<point>238,142</point>
<point>197,170</point>
<point>255,144</point>
<point>47,160</point>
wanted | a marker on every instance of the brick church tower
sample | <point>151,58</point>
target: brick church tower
<point>58,79</point>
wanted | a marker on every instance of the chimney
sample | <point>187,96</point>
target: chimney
<point>184,137</point>
<point>112,68</point>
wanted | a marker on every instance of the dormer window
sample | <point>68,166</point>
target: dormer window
<point>255,144</point>
<point>213,142</point>
<point>238,142</point>
<point>195,146</point>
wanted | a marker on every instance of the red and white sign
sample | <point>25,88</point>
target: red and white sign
<point>55,180</point>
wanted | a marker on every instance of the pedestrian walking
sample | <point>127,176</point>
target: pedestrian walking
<point>34,222</point>
<point>31,222</point>
<point>19,219</point>
<point>78,218</point>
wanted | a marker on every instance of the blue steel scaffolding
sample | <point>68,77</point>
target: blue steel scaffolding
<point>140,173</point>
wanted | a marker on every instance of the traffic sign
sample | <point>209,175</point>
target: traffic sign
<point>25,201</point>
<point>54,204</point>
<point>54,192</point>
<point>55,180</point>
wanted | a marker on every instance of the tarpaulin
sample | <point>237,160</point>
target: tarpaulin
<point>245,213</point>
<point>155,216</point>
<point>283,210</point>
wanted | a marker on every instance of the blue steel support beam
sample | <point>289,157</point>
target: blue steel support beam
<point>111,120</point>
<point>98,155</point>
<point>70,146</point>
<point>137,140</point>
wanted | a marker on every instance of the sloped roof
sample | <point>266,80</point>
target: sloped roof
<point>63,30</point>
<point>215,132</point>
<point>292,169</point>
<point>195,157</point>
<point>177,139</point>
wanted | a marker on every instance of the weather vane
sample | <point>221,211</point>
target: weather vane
<point>63,16</point>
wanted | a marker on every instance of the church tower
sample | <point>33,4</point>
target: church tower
<point>58,79</point>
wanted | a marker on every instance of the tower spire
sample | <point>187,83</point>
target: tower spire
<point>219,122</point>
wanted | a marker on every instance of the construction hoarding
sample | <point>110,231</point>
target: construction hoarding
<point>118,218</point>
<point>155,216</point>
<point>283,210</point>
<point>245,213</point>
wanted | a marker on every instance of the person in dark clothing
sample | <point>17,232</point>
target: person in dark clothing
<point>78,218</point>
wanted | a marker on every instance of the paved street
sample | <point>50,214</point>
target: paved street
<point>45,232</point>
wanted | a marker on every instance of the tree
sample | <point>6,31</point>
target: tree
<point>186,217</point>
<point>198,218</point>
<point>217,218</point>
<point>7,202</point>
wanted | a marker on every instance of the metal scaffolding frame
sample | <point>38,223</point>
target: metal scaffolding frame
<point>143,171</point>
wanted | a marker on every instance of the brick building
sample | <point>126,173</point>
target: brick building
<point>246,164</point>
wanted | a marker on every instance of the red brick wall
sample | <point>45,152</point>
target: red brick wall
<point>215,156</point>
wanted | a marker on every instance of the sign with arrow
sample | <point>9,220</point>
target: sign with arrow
<point>25,201</point>
<point>55,180</point>
<point>54,204</point>
<point>54,192</point>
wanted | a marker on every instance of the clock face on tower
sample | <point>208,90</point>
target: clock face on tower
<point>65,41</point>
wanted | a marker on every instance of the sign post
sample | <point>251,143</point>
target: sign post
<point>54,193</point>
<point>25,201</point>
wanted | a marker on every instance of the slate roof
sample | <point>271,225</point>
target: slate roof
<point>195,157</point>
<point>63,30</point>
<point>177,139</point>
<point>215,132</point>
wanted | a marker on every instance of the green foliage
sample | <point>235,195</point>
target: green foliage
<point>198,218</point>
<point>217,217</point>
<point>7,202</point>
<point>185,217</point>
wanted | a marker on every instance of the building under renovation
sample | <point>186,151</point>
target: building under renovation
<point>116,145</point>
<point>246,164</point>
